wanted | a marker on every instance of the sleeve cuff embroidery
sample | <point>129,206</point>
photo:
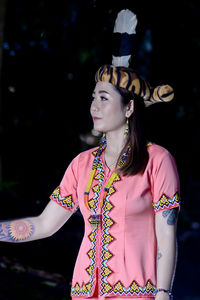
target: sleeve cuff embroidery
<point>65,202</point>
<point>166,202</point>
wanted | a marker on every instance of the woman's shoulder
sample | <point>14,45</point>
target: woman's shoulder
<point>87,154</point>
<point>157,152</point>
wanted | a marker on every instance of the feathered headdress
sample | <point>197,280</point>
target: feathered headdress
<point>119,73</point>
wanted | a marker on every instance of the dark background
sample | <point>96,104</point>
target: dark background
<point>51,50</point>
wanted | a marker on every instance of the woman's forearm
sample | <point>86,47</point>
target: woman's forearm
<point>22,230</point>
<point>50,221</point>
<point>167,250</point>
<point>166,263</point>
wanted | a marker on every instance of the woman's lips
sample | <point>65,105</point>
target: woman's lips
<point>96,118</point>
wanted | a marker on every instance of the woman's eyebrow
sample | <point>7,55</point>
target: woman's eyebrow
<point>101,91</point>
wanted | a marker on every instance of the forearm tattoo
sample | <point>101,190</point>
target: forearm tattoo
<point>16,231</point>
<point>159,255</point>
<point>171,215</point>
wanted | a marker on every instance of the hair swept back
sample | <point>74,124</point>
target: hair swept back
<point>138,155</point>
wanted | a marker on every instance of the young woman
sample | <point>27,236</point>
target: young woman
<point>127,190</point>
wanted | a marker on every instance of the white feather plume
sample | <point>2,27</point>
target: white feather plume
<point>125,22</point>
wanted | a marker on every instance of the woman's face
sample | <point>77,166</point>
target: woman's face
<point>106,109</point>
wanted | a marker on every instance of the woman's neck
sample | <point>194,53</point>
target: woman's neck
<point>115,142</point>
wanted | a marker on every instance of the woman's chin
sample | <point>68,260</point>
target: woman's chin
<point>99,129</point>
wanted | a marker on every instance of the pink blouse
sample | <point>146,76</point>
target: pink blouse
<point>122,252</point>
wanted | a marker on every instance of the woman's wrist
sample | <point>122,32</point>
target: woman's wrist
<point>162,296</point>
<point>161,293</point>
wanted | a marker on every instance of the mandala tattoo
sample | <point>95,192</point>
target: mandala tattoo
<point>16,231</point>
<point>171,215</point>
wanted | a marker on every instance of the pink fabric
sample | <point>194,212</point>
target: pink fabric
<point>123,250</point>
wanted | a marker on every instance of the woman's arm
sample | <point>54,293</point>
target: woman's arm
<point>28,229</point>
<point>166,223</point>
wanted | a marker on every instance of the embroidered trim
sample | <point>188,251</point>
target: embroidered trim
<point>66,202</point>
<point>133,289</point>
<point>82,290</point>
<point>118,289</point>
<point>166,202</point>
<point>97,188</point>
<point>86,289</point>
<point>95,152</point>
<point>107,238</point>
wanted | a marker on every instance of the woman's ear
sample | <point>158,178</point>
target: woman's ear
<point>129,108</point>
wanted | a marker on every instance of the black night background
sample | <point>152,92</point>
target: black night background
<point>49,53</point>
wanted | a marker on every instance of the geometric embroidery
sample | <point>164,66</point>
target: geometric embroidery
<point>108,222</point>
<point>103,252</point>
<point>89,287</point>
<point>92,237</point>
<point>77,290</point>
<point>96,188</point>
<point>90,269</point>
<point>111,190</point>
<point>150,287</point>
<point>86,289</point>
<point>92,203</point>
<point>65,202</point>
<point>107,238</point>
<point>106,271</point>
<point>166,202</point>
<point>118,288</point>
<point>108,206</point>
<point>133,289</point>
<point>95,152</point>
<point>106,255</point>
<point>106,288</point>
<point>98,176</point>
<point>91,253</point>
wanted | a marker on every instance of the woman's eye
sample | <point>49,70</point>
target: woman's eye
<point>103,98</point>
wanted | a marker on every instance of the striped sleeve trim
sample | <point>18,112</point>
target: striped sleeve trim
<point>166,202</point>
<point>65,202</point>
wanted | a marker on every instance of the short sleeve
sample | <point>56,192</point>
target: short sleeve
<point>166,185</point>
<point>65,194</point>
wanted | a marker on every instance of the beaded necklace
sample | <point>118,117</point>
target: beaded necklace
<point>96,216</point>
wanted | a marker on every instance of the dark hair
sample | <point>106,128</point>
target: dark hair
<point>138,155</point>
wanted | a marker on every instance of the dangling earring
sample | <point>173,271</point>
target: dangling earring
<point>126,128</point>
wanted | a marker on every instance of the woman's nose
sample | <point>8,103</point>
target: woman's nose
<point>94,106</point>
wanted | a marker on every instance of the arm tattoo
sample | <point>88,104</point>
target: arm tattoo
<point>171,215</point>
<point>16,231</point>
<point>159,255</point>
